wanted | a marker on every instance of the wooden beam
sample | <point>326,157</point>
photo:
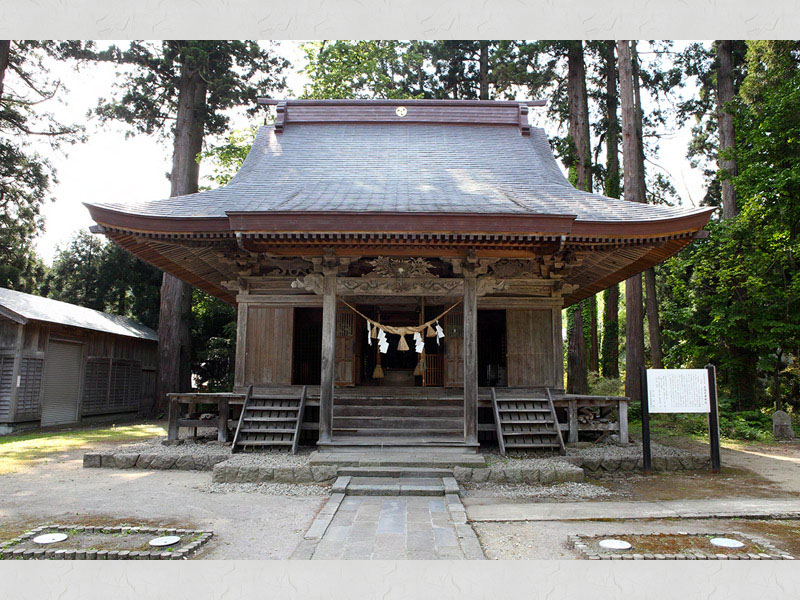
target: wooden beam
<point>470,358</point>
<point>328,357</point>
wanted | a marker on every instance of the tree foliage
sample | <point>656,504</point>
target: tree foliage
<point>27,90</point>
<point>740,288</point>
<point>98,274</point>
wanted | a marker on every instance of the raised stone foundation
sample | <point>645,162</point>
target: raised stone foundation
<point>230,472</point>
<point>504,474</point>
<point>129,460</point>
<point>599,466</point>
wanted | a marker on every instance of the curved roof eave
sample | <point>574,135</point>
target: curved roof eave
<point>398,222</point>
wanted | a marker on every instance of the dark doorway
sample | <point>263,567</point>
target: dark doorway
<point>399,366</point>
<point>492,348</point>
<point>307,355</point>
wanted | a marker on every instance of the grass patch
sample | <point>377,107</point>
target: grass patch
<point>18,452</point>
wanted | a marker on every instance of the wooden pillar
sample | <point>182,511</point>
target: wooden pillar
<point>241,345</point>
<point>622,418</point>
<point>470,358</point>
<point>572,412</point>
<point>558,350</point>
<point>328,357</point>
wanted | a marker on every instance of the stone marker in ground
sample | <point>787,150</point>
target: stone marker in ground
<point>782,426</point>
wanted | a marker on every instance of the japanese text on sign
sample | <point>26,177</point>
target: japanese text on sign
<point>678,391</point>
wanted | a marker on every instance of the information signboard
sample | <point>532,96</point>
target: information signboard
<point>678,391</point>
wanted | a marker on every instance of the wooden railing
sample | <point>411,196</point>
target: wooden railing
<point>500,441</point>
<point>241,417</point>
<point>605,404</point>
<point>222,400</point>
<point>555,422</point>
<point>299,425</point>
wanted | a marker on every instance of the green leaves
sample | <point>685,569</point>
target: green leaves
<point>236,73</point>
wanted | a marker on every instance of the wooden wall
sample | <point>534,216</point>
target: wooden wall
<point>534,357</point>
<point>264,345</point>
<point>118,372</point>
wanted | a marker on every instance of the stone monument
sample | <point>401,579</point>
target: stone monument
<point>782,426</point>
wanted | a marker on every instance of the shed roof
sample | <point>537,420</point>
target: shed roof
<point>22,307</point>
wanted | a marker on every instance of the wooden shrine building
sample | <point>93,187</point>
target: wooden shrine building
<point>388,212</point>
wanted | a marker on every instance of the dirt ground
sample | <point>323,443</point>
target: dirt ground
<point>61,491</point>
<point>548,539</point>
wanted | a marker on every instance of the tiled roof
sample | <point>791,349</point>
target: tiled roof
<point>401,167</point>
<point>31,307</point>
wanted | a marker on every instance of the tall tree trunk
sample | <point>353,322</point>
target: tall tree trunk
<point>727,138</point>
<point>579,116</point>
<point>576,355</point>
<point>651,298</point>
<point>653,325</point>
<point>610,365</point>
<point>579,136</point>
<point>5,55</point>
<point>174,343</point>
<point>634,192</point>
<point>484,70</point>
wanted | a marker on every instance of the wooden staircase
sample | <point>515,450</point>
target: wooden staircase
<point>390,418</point>
<point>270,420</point>
<point>526,421</point>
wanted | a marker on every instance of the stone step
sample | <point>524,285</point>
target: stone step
<point>398,472</point>
<point>443,458</point>
<point>393,486</point>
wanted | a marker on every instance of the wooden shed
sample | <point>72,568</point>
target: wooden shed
<point>355,217</point>
<point>62,364</point>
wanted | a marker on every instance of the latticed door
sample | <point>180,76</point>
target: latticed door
<point>454,349</point>
<point>345,363</point>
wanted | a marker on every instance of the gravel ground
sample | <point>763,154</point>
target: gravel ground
<point>271,458</point>
<point>270,489</point>
<point>566,491</point>
<point>201,447</point>
<point>633,450</point>
<point>521,461</point>
<point>609,450</point>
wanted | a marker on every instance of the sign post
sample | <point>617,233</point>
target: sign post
<point>680,391</point>
<point>713,419</point>
<point>647,460</point>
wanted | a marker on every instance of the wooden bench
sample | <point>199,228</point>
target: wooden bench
<point>223,402</point>
<point>606,405</point>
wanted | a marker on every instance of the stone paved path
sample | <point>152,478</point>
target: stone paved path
<point>395,528</point>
